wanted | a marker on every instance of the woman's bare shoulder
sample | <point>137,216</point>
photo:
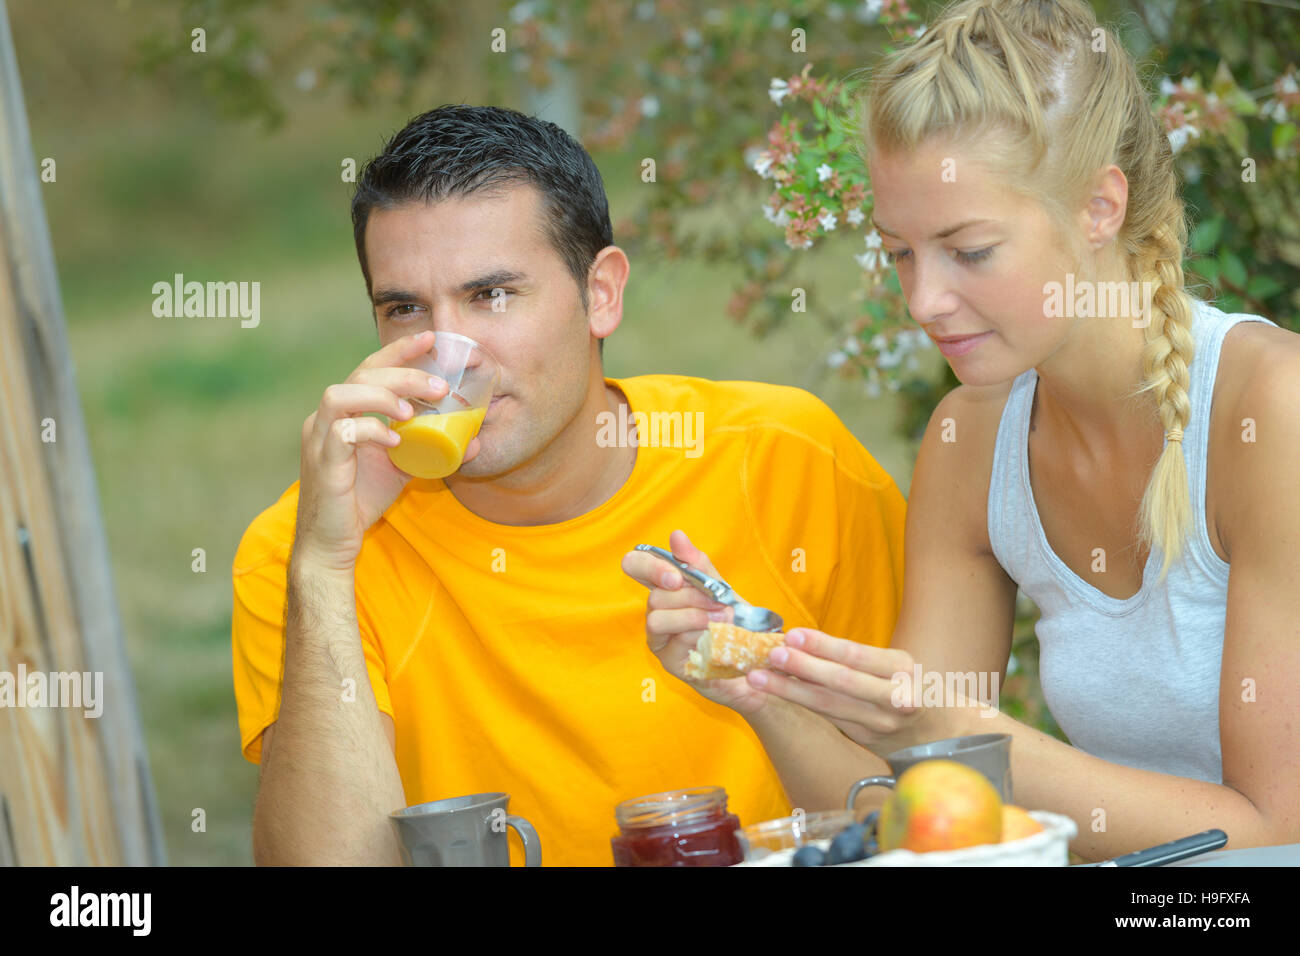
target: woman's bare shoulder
<point>957,458</point>
<point>1256,362</point>
<point>978,407</point>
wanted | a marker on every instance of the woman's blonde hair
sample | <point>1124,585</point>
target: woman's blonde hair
<point>1055,99</point>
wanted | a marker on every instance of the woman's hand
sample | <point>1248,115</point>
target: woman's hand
<point>865,691</point>
<point>676,613</point>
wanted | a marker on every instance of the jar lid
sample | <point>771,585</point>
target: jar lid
<point>671,806</point>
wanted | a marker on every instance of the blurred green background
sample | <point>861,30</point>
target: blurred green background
<point>194,423</point>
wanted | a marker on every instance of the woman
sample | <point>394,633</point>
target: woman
<point>1132,473</point>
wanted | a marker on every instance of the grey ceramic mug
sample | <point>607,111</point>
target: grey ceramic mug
<point>463,831</point>
<point>990,754</point>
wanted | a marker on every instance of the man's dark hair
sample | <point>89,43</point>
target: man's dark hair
<point>456,150</point>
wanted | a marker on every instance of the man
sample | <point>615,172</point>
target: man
<point>400,640</point>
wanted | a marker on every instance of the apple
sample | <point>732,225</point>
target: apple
<point>940,805</point>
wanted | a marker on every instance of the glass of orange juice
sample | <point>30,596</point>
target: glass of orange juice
<point>435,438</point>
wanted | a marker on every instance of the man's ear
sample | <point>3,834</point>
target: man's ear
<point>605,282</point>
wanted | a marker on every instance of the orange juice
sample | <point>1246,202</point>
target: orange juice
<point>433,445</point>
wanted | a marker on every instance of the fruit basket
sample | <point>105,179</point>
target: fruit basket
<point>1051,847</point>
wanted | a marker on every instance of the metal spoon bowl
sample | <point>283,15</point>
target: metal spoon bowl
<point>746,615</point>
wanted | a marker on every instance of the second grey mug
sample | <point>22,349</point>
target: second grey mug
<point>990,754</point>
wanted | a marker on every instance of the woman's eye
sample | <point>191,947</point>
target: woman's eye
<point>967,257</point>
<point>977,256</point>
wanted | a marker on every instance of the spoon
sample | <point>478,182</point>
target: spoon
<point>748,616</point>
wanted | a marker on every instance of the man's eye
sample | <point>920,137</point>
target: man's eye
<point>396,311</point>
<point>495,293</point>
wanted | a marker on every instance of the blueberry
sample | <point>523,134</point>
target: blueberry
<point>848,845</point>
<point>808,856</point>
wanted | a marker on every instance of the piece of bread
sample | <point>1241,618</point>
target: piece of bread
<point>725,650</point>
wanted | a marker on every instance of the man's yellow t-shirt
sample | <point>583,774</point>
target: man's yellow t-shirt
<point>514,659</point>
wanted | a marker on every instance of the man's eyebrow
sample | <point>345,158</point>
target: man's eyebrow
<point>489,280</point>
<point>942,234</point>
<point>384,296</point>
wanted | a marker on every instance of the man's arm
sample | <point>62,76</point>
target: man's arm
<point>325,793</point>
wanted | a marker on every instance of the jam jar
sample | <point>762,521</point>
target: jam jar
<point>677,828</point>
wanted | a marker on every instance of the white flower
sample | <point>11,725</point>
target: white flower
<point>879,342</point>
<point>779,19</point>
<point>1289,84</point>
<point>855,217</point>
<point>870,11</point>
<point>873,388</point>
<point>1168,87</point>
<point>874,258</point>
<point>888,359</point>
<point>521,11</point>
<point>1013,665</point>
<point>649,106</point>
<point>776,217</point>
<point>763,164</point>
<point>778,90</point>
<point>306,79</point>
<point>824,173</point>
<point>836,359</point>
<point>827,219</point>
<point>691,37</point>
<point>1178,136</point>
<point>917,33</point>
<point>853,345</point>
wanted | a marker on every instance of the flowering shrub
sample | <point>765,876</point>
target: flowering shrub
<point>818,183</point>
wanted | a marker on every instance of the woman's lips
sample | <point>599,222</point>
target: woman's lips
<point>953,347</point>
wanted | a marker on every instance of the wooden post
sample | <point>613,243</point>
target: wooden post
<point>73,789</point>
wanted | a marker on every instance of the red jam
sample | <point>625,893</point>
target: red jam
<point>677,828</point>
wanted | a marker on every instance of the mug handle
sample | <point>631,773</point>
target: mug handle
<point>532,844</point>
<point>863,784</point>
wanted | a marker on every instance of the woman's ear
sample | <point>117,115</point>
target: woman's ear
<point>1106,207</point>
